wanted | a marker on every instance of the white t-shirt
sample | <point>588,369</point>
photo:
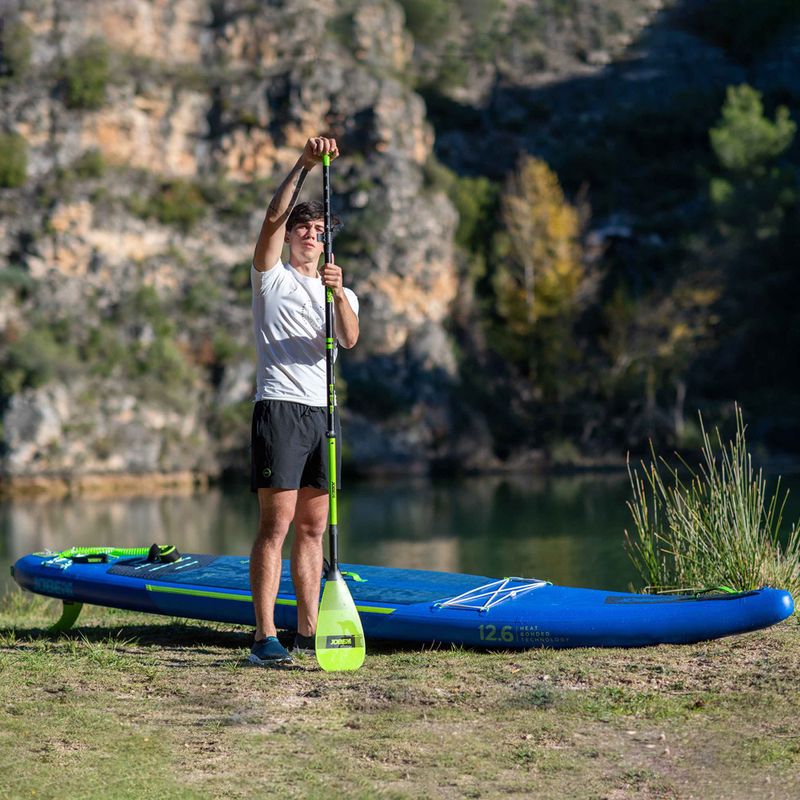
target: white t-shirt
<point>289,327</point>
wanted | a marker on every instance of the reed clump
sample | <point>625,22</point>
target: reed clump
<point>714,525</point>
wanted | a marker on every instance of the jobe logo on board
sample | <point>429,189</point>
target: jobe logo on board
<point>337,642</point>
<point>47,586</point>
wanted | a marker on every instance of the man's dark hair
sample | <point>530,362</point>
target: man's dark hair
<point>308,212</point>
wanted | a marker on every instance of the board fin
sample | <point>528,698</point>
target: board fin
<point>69,613</point>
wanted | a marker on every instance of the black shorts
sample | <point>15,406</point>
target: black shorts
<point>289,446</point>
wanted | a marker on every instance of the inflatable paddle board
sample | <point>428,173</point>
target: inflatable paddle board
<point>402,604</point>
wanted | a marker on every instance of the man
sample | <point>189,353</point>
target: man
<point>289,468</point>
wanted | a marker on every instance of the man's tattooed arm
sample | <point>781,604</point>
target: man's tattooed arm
<point>280,207</point>
<point>270,240</point>
<point>273,230</point>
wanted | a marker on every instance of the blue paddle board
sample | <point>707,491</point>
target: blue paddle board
<point>403,604</point>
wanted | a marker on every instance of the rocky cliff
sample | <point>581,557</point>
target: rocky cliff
<point>131,336</point>
<point>141,141</point>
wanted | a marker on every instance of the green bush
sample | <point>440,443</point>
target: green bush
<point>717,528</point>
<point>35,358</point>
<point>227,349</point>
<point>744,139</point>
<point>179,203</point>
<point>427,20</point>
<point>239,281</point>
<point>90,165</point>
<point>13,160</point>
<point>476,200</point>
<point>236,200</point>
<point>15,49</point>
<point>86,75</point>
<point>106,352</point>
<point>342,28</point>
<point>16,279</point>
<point>202,296</point>
<point>755,191</point>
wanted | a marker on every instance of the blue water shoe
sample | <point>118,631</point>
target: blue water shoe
<point>269,652</point>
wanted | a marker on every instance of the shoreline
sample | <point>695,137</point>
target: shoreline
<point>61,486</point>
<point>93,485</point>
<point>133,484</point>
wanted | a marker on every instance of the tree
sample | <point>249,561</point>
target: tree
<point>543,272</point>
<point>541,283</point>
<point>752,188</point>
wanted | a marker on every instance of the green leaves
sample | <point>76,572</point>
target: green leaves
<point>86,74</point>
<point>715,526</point>
<point>745,141</point>
<point>754,191</point>
<point>13,160</point>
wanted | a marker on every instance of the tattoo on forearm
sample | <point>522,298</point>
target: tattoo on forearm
<point>300,179</point>
<point>298,185</point>
<point>295,180</point>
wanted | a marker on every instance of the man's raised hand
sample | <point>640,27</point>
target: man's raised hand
<point>316,147</point>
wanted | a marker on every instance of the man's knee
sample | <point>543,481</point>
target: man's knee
<point>271,531</point>
<point>309,530</point>
<point>311,519</point>
<point>276,510</point>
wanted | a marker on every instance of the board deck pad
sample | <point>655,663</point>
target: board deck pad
<point>144,569</point>
<point>376,584</point>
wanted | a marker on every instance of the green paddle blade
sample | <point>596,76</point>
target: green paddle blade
<point>339,642</point>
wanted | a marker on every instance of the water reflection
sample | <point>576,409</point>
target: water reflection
<point>565,529</point>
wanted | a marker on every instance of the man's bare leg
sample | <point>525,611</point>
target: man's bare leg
<point>310,522</point>
<point>276,510</point>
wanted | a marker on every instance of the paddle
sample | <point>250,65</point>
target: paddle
<point>339,641</point>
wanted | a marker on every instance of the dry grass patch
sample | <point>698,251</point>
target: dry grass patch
<point>136,706</point>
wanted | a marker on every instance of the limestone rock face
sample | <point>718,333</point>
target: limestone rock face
<point>205,106</point>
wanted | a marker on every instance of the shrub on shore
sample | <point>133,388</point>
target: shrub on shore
<point>717,527</point>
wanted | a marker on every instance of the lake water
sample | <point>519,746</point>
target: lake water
<point>567,529</point>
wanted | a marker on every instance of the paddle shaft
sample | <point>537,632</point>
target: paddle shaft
<point>330,344</point>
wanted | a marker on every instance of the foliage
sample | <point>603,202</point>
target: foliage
<point>650,343</point>
<point>427,20</point>
<point>13,160</point>
<point>16,279</point>
<point>233,199</point>
<point>239,281</point>
<point>539,283</point>
<point>139,341</point>
<point>543,273</point>
<point>202,296</point>
<point>34,358</point>
<point>341,27</point>
<point>476,199</point>
<point>753,193</point>
<point>15,49</point>
<point>90,164</point>
<point>718,527</point>
<point>745,141</point>
<point>179,203</point>
<point>86,74</point>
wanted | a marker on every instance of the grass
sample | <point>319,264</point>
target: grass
<point>132,705</point>
<point>718,527</point>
